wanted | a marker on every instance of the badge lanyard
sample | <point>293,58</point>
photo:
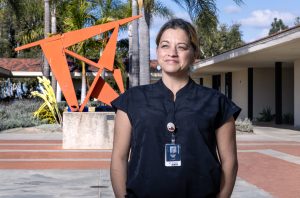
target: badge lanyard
<point>172,150</point>
<point>171,128</point>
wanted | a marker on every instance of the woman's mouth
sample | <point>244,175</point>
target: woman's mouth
<point>172,61</point>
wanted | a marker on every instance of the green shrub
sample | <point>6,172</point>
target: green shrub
<point>94,103</point>
<point>244,125</point>
<point>19,113</point>
<point>3,114</point>
<point>265,115</point>
<point>288,118</point>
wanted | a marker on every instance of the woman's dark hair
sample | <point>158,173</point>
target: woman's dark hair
<point>184,25</point>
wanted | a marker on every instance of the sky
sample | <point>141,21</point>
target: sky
<point>255,17</point>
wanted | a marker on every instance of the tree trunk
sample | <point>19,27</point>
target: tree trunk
<point>144,52</point>
<point>53,31</point>
<point>134,67</point>
<point>46,69</point>
<point>129,53</point>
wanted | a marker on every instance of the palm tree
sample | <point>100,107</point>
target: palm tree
<point>196,8</point>
<point>22,23</point>
<point>108,11</point>
<point>78,16</point>
<point>148,8</point>
<point>134,49</point>
<point>144,40</point>
<point>31,21</point>
<point>203,14</point>
<point>9,12</point>
<point>54,83</point>
<point>46,68</point>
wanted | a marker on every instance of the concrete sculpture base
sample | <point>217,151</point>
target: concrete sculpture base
<point>88,130</point>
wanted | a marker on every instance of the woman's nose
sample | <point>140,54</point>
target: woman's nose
<point>173,51</point>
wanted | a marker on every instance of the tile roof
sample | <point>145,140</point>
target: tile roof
<point>33,65</point>
<point>21,64</point>
<point>4,72</point>
<point>36,64</point>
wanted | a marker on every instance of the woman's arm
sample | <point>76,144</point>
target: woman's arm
<point>226,141</point>
<point>120,152</point>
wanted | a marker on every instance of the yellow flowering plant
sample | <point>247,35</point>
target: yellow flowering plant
<point>49,109</point>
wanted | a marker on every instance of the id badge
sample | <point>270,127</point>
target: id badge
<point>172,155</point>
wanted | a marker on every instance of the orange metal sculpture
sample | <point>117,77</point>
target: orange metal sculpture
<point>55,50</point>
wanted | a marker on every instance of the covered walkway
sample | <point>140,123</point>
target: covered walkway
<point>258,75</point>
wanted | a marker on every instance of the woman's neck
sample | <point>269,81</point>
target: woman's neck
<point>175,83</point>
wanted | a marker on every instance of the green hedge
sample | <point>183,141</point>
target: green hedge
<point>19,113</point>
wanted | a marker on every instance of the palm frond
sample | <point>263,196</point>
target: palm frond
<point>239,2</point>
<point>161,10</point>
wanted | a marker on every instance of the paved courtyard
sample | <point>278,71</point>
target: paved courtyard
<point>33,165</point>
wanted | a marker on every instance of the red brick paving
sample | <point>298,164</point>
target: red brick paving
<point>267,142</point>
<point>30,141</point>
<point>30,147</point>
<point>278,177</point>
<point>289,149</point>
<point>275,176</point>
<point>40,154</point>
<point>56,155</point>
<point>70,165</point>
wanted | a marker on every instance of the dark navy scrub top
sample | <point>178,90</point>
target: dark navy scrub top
<point>197,112</point>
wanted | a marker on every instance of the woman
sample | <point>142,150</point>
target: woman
<point>179,137</point>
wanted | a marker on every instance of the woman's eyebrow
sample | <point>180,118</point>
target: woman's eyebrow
<point>165,41</point>
<point>183,43</point>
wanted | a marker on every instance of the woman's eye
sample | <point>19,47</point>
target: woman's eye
<point>164,46</point>
<point>182,48</point>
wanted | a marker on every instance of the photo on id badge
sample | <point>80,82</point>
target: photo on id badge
<point>172,155</point>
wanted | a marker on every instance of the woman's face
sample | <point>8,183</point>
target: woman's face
<point>174,52</point>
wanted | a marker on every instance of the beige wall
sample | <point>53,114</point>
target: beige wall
<point>240,90</point>
<point>287,90</point>
<point>197,80</point>
<point>297,93</point>
<point>207,81</point>
<point>263,90</point>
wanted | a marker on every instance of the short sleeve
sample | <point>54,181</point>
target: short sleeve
<point>227,108</point>
<point>121,102</point>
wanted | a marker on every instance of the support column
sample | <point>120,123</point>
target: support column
<point>201,81</point>
<point>216,82</point>
<point>58,92</point>
<point>278,92</point>
<point>228,85</point>
<point>250,93</point>
<point>297,93</point>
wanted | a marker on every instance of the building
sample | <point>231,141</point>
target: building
<point>264,73</point>
<point>32,68</point>
<point>20,67</point>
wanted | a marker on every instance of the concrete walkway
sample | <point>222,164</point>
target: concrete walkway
<point>33,165</point>
<point>269,160</point>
